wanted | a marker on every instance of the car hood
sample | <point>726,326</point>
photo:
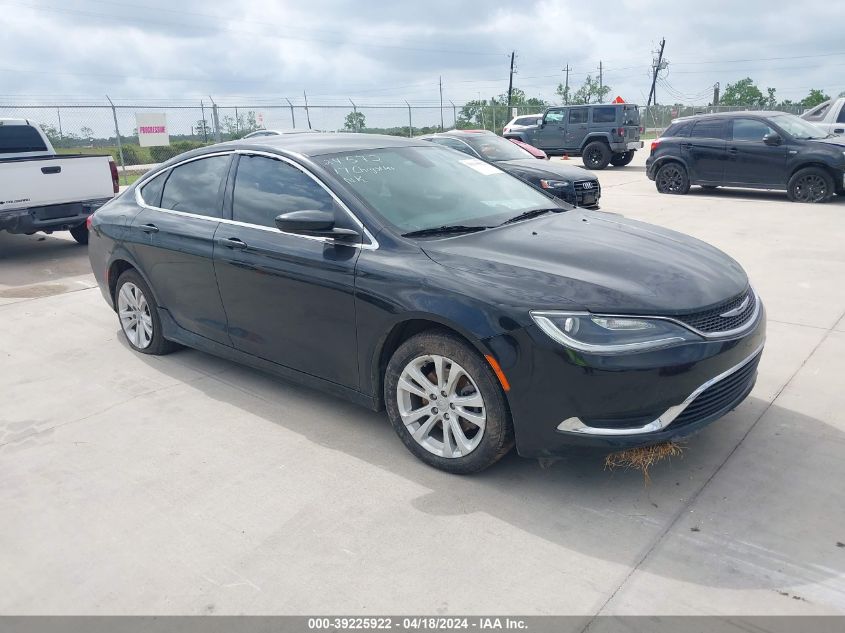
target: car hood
<point>585,260</point>
<point>833,140</point>
<point>546,169</point>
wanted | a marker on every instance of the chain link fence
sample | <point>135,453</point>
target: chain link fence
<point>112,128</point>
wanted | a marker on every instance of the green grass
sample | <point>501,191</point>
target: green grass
<point>129,177</point>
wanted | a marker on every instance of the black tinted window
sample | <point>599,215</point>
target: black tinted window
<point>265,188</point>
<point>749,130</point>
<point>20,138</point>
<point>709,128</point>
<point>604,115</point>
<point>678,129</point>
<point>578,115</point>
<point>151,192</point>
<point>195,187</point>
<point>841,117</point>
<point>526,120</point>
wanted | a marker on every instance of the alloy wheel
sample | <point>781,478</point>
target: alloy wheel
<point>594,157</point>
<point>441,406</point>
<point>810,188</point>
<point>135,317</point>
<point>670,179</point>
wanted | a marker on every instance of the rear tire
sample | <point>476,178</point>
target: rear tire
<point>426,381</point>
<point>672,178</point>
<point>596,155</point>
<point>80,233</point>
<point>622,159</point>
<point>811,184</point>
<point>137,312</point>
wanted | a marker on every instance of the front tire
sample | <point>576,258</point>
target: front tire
<point>446,405</point>
<point>137,311</point>
<point>622,159</point>
<point>672,178</point>
<point>811,184</point>
<point>80,233</point>
<point>596,155</point>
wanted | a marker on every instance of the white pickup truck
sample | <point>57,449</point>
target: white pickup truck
<point>43,191</point>
<point>829,116</point>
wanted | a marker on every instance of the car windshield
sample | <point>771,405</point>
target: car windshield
<point>798,128</point>
<point>493,148</point>
<point>418,188</point>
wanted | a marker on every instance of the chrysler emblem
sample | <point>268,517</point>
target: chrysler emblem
<point>737,310</point>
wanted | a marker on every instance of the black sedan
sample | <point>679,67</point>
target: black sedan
<point>479,311</point>
<point>572,184</point>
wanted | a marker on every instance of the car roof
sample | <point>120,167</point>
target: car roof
<point>727,115</point>
<point>459,133</point>
<point>321,143</point>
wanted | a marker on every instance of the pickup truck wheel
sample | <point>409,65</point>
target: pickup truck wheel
<point>672,178</point>
<point>80,233</point>
<point>622,159</point>
<point>596,155</point>
<point>446,404</point>
<point>810,184</point>
<point>137,311</point>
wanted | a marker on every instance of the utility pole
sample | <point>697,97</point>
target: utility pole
<point>601,82</point>
<point>440,82</point>
<point>658,66</point>
<point>355,110</point>
<point>510,81</point>
<point>566,86</point>
<point>716,94</point>
<point>454,114</point>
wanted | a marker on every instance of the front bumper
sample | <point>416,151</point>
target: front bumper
<point>57,217</point>
<point>561,399</point>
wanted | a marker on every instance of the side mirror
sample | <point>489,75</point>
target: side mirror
<point>314,223</point>
<point>772,138</point>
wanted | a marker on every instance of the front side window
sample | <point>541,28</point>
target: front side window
<point>818,113</point>
<point>265,188</point>
<point>554,116</point>
<point>17,139</point>
<point>750,130</point>
<point>195,187</point>
<point>423,187</point>
<point>605,114</point>
<point>578,115</point>
<point>709,128</point>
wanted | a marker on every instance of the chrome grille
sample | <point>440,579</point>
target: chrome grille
<point>711,321</point>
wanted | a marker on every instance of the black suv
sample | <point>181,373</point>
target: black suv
<point>760,150</point>
<point>602,134</point>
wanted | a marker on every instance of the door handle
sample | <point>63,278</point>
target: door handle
<point>57,169</point>
<point>686,145</point>
<point>732,150</point>
<point>839,130</point>
<point>231,242</point>
<point>149,228</point>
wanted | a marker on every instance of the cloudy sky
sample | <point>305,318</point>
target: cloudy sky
<point>388,52</point>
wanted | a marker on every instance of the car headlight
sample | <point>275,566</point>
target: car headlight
<point>554,184</point>
<point>598,334</point>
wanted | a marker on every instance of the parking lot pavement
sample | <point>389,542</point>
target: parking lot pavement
<point>188,484</point>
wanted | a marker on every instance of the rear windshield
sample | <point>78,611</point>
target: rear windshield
<point>630,115</point>
<point>16,139</point>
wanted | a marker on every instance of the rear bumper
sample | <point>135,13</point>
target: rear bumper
<point>57,217</point>
<point>625,146</point>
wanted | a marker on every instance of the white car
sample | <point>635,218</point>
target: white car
<point>523,121</point>
<point>829,116</point>
<point>43,191</point>
<point>259,133</point>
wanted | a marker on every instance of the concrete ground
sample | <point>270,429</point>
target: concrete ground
<point>186,484</point>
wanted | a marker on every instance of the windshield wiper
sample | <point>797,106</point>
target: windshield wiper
<point>531,214</point>
<point>444,230</point>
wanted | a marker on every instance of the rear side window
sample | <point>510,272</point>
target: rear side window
<point>151,192</point>
<point>195,187</point>
<point>526,120</point>
<point>578,115</point>
<point>16,139</point>
<point>818,113</point>
<point>604,115</point>
<point>265,188</point>
<point>841,117</point>
<point>750,130</point>
<point>678,129</point>
<point>454,144</point>
<point>709,128</point>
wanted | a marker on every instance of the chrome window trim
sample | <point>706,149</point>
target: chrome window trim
<point>576,425</point>
<point>372,242</point>
<point>742,329</point>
